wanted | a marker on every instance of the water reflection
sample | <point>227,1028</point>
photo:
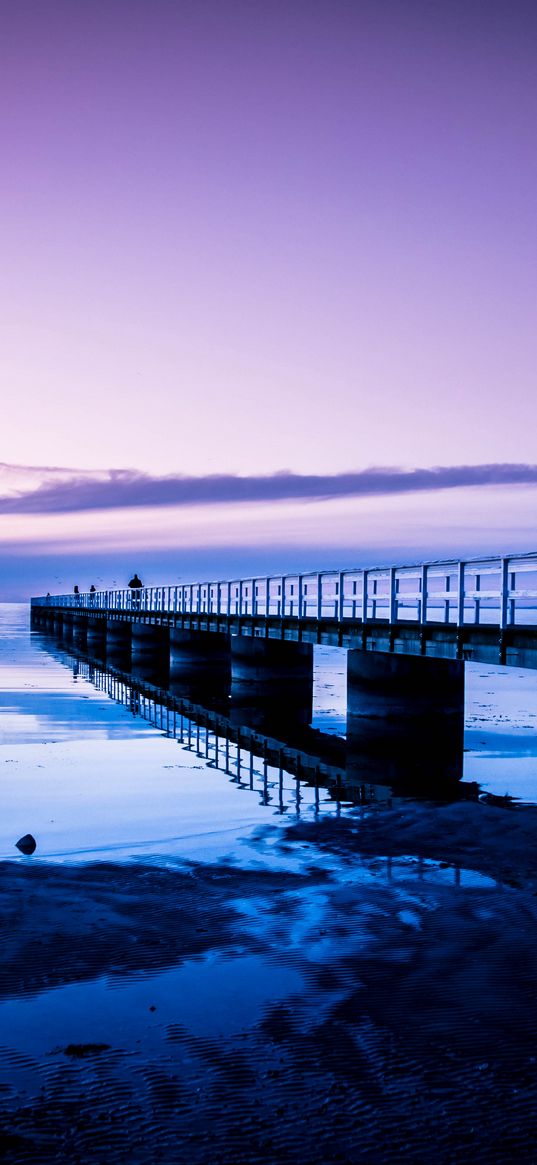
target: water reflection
<point>239,727</point>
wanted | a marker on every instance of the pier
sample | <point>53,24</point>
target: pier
<point>408,631</point>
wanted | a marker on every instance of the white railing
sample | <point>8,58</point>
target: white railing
<point>500,592</point>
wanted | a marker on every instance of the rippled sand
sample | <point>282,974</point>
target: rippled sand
<point>362,1007</point>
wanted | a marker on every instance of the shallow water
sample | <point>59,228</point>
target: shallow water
<point>89,778</point>
<point>210,966</point>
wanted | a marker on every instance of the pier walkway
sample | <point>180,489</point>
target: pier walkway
<point>483,610</point>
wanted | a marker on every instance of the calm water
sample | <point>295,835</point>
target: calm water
<point>88,778</point>
<point>198,967</point>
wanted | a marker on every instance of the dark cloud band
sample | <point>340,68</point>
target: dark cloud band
<point>120,489</point>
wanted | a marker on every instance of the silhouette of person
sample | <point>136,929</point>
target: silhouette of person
<point>76,593</point>
<point>135,586</point>
<point>92,592</point>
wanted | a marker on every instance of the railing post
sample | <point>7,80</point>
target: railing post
<point>300,595</point>
<point>319,596</point>
<point>446,600</point>
<point>239,612</point>
<point>254,597</point>
<point>460,595</point>
<point>504,593</point>
<point>423,600</point>
<point>267,598</point>
<point>364,596</point>
<point>341,596</point>
<point>393,595</point>
<point>284,584</point>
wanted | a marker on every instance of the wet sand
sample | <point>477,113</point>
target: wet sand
<point>366,994</point>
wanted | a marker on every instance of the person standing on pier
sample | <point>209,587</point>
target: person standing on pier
<point>135,586</point>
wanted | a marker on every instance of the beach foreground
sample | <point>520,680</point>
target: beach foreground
<point>361,991</point>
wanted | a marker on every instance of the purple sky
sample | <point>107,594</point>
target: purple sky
<point>241,238</point>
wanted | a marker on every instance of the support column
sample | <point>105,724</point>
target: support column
<point>271,683</point>
<point>66,631</point>
<point>118,642</point>
<point>150,651</point>
<point>55,625</point>
<point>200,663</point>
<point>40,618</point>
<point>405,719</point>
<point>96,636</point>
<point>80,631</point>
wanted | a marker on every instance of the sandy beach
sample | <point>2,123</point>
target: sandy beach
<point>374,994</point>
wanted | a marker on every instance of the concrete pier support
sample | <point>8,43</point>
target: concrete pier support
<point>96,637</point>
<point>55,625</point>
<point>150,651</point>
<point>200,663</point>
<point>271,683</point>
<point>67,627</point>
<point>118,642</point>
<point>41,619</point>
<point>405,719</point>
<point>80,631</point>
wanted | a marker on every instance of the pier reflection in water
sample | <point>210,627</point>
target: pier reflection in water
<point>290,764</point>
<point>239,712</point>
<point>284,776</point>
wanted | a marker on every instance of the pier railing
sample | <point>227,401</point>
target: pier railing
<point>499,591</point>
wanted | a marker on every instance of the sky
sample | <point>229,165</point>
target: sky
<point>262,264</point>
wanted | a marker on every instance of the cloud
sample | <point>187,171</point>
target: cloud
<point>67,491</point>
